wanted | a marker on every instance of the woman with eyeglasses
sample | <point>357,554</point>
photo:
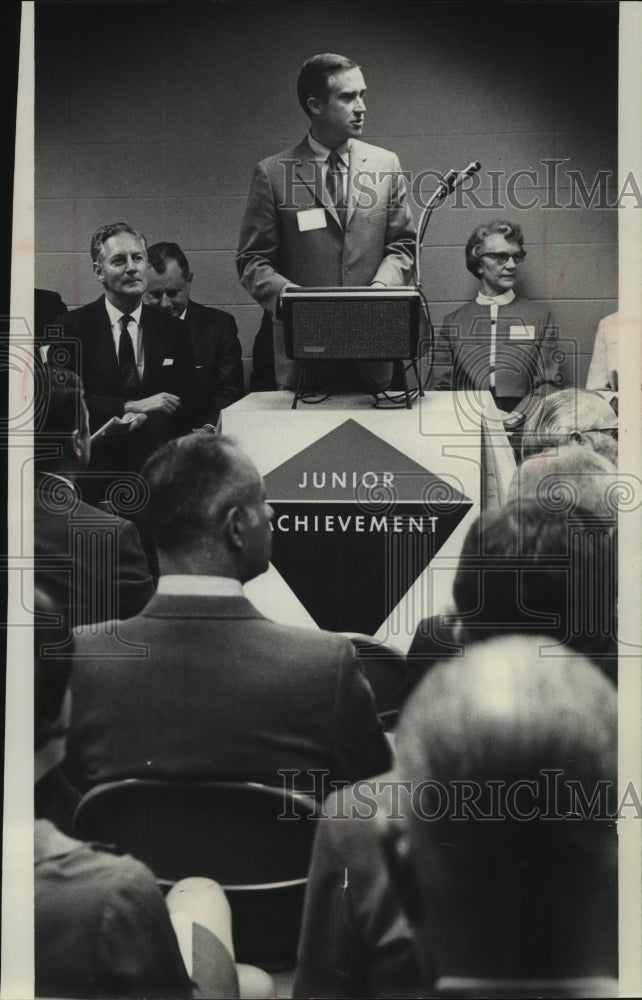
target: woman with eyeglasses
<point>500,341</point>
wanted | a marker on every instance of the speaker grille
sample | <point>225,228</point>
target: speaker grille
<point>369,329</point>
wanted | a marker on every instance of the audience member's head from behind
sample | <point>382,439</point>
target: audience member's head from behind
<point>119,256</point>
<point>572,416</point>
<point>541,572</point>
<point>62,442</point>
<point>170,278</point>
<point>493,252</point>
<point>570,475</point>
<point>211,515</point>
<point>521,882</point>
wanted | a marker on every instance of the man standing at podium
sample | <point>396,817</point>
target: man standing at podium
<point>331,211</point>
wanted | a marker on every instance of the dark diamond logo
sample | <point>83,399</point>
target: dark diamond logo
<point>356,523</point>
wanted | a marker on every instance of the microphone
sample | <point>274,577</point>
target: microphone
<point>448,180</point>
<point>471,169</point>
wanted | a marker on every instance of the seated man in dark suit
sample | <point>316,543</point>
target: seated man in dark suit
<point>89,562</point>
<point>506,862</point>
<point>208,688</point>
<point>213,333</point>
<point>102,927</point>
<point>132,359</point>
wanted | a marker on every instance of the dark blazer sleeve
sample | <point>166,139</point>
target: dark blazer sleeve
<point>444,361</point>
<point>217,353</point>
<point>229,384</point>
<point>361,747</point>
<point>135,583</point>
<point>331,956</point>
<point>355,940</point>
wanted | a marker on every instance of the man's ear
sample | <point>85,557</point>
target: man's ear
<point>98,271</point>
<point>314,105</point>
<point>234,527</point>
<point>76,443</point>
<point>401,869</point>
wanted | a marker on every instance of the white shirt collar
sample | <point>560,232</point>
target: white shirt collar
<point>322,152</point>
<point>495,300</point>
<point>196,585</point>
<point>183,314</point>
<point>115,314</point>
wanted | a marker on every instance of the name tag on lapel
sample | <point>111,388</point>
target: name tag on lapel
<point>311,218</point>
<point>167,361</point>
<point>522,332</point>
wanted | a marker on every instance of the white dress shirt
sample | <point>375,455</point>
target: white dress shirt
<point>135,332</point>
<point>196,585</point>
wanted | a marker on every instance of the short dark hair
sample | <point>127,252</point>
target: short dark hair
<point>539,571</point>
<point>160,253</point>
<point>105,233</point>
<point>192,483</point>
<point>315,73</point>
<point>511,232</point>
<point>60,412</point>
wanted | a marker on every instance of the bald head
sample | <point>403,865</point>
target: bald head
<point>508,862</point>
<point>508,711</point>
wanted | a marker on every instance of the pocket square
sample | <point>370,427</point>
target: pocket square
<point>168,361</point>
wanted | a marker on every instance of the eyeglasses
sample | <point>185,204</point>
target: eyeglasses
<point>602,430</point>
<point>503,258</point>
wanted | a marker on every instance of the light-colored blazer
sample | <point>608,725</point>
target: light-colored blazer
<point>378,242</point>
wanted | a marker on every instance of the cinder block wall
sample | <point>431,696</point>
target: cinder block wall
<point>156,113</point>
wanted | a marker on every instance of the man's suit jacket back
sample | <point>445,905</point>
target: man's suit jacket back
<point>207,688</point>
<point>168,362</point>
<point>217,354</point>
<point>89,562</point>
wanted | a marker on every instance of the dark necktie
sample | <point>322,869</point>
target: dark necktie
<point>334,184</point>
<point>126,360</point>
